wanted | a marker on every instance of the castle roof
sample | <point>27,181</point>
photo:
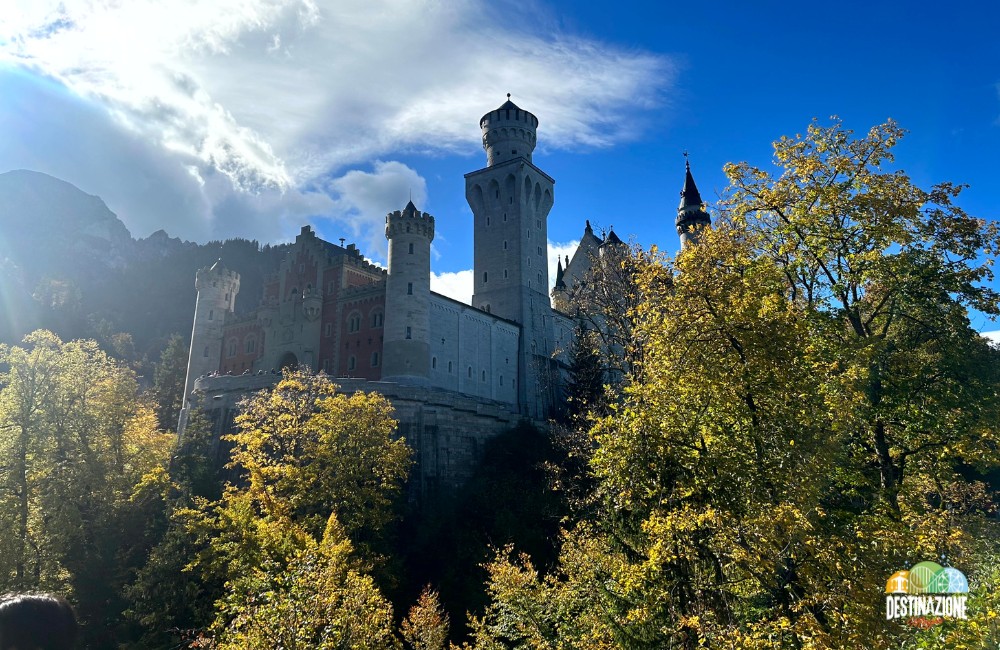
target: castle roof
<point>611,240</point>
<point>410,210</point>
<point>690,197</point>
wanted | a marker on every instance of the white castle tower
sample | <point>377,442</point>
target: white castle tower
<point>511,199</point>
<point>406,347</point>
<point>217,288</point>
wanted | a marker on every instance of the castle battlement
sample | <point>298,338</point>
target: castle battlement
<point>409,221</point>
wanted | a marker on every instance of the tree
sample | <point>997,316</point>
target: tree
<point>426,626</point>
<point>80,459</point>
<point>319,601</point>
<point>811,396</point>
<point>310,461</point>
<point>168,381</point>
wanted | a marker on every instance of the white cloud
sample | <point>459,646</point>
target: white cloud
<point>271,96</point>
<point>993,336</point>
<point>559,252</point>
<point>362,199</point>
<point>457,285</point>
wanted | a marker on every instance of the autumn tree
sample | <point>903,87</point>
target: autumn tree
<point>82,465</point>
<point>308,459</point>
<point>813,412</point>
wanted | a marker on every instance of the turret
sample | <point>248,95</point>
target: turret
<point>508,133</point>
<point>692,217</point>
<point>217,287</point>
<point>406,348</point>
<point>510,200</point>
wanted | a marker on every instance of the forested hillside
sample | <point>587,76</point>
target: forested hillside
<point>69,265</point>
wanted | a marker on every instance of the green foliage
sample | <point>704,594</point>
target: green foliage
<point>317,469</point>
<point>810,388</point>
<point>82,473</point>
<point>168,381</point>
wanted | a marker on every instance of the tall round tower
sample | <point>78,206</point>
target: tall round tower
<point>508,133</point>
<point>217,288</point>
<point>406,346</point>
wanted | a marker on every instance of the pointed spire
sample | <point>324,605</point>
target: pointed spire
<point>588,228</point>
<point>691,213</point>
<point>560,284</point>
<point>410,209</point>
<point>690,197</point>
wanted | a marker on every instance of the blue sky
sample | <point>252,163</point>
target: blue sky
<point>252,117</point>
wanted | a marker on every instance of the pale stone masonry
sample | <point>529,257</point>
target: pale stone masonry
<point>457,374</point>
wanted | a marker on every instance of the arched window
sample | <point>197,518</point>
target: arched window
<point>409,333</point>
<point>411,249</point>
<point>409,288</point>
<point>352,362</point>
<point>251,345</point>
<point>234,346</point>
<point>205,353</point>
<point>449,365</point>
<point>378,317</point>
<point>486,277</point>
<point>354,322</point>
<point>470,372</point>
<point>434,363</point>
<point>374,359</point>
<point>211,314</point>
<point>484,375</point>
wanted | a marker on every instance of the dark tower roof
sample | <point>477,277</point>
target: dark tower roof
<point>410,210</point>
<point>690,197</point>
<point>560,283</point>
<point>691,212</point>
<point>612,239</point>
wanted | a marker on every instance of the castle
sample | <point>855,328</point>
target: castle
<point>456,373</point>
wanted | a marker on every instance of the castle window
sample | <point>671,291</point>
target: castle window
<point>538,223</point>
<point>374,359</point>
<point>513,152</point>
<point>291,294</point>
<point>409,288</point>
<point>251,345</point>
<point>484,375</point>
<point>487,221</point>
<point>529,233</point>
<point>234,346</point>
<point>449,366</point>
<point>328,330</point>
<point>211,313</point>
<point>512,199</point>
<point>411,249</point>
<point>409,333</point>
<point>434,363</point>
<point>354,322</point>
<point>505,274</point>
<point>377,319</point>
<point>505,244</point>
<point>470,372</point>
<point>539,249</point>
<point>205,354</point>
<point>326,364</point>
<point>539,279</point>
<point>501,380</point>
<point>498,194</point>
<point>352,363</point>
<point>505,217</point>
<point>407,228</point>
<point>485,277</point>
